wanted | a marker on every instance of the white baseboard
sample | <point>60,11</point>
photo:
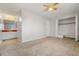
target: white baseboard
<point>31,39</point>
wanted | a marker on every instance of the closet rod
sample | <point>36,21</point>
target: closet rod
<point>66,23</point>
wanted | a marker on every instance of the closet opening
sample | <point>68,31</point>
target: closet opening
<point>67,28</point>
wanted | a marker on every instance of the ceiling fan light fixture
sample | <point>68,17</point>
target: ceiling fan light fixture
<point>50,9</point>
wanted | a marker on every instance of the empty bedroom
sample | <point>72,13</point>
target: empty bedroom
<point>39,29</point>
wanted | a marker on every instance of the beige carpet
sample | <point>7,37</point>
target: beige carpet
<point>41,47</point>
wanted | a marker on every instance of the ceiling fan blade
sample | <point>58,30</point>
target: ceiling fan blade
<point>54,8</point>
<point>54,4</point>
<point>46,9</point>
<point>45,5</point>
<point>50,7</point>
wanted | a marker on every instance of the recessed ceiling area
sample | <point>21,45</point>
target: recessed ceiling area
<point>38,8</point>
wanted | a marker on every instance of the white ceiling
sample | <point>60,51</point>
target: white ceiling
<point>64,9</point>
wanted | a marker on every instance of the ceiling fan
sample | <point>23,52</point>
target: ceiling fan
<point>51,7</point>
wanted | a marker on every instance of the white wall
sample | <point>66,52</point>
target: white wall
<point>53,28</point>
<point>48,27</point>
<point>33,26</point>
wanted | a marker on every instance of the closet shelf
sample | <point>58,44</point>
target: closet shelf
<point>66,23</point>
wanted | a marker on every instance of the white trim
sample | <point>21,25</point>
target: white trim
<point>76,28</point>
<point>66,17</point>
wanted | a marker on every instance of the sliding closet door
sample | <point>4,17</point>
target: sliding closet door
<point>67,27</point>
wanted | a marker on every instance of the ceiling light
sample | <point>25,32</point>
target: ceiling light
<point>50,9</point>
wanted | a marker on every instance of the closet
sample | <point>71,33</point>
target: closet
<point>67,27</point>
